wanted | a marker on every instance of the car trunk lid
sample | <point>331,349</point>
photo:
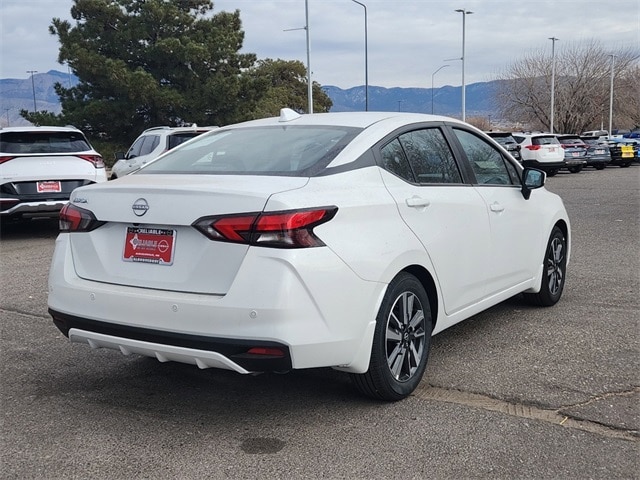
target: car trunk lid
<point>148,239</point>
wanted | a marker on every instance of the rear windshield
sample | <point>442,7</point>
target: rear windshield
<point>571,141</point>
<point>546,140</point>
<point>273,150</point>
<point>503,139</point>
<point>43,142</point>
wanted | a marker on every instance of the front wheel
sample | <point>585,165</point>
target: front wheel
<point>554,275</point>
<point>552,172</point>
<point>575,169</point>
<point>401,342</point>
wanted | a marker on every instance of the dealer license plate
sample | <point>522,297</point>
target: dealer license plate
<point>49,186</point>
<point>149,245</point>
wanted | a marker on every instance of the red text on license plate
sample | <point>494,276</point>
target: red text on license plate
<point>149,245</point>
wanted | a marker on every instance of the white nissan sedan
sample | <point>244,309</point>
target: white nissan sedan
<point>341,240</point>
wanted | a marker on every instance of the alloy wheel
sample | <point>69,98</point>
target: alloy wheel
<point>405,336</point>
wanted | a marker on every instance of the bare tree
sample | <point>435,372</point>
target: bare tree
<point>582,85</point>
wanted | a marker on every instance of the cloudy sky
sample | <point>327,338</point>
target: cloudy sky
<point>408,40</point>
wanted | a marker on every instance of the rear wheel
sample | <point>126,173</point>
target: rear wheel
<point>599,167</point>
<point>554,275</point>
<point>552,172</point>
<point>575,169</point>
<point>625,165</point>
<point>401,342</point>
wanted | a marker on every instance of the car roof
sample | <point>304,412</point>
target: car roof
<point>193,128</point>
<point>346,119</point>
<point>44,128</point>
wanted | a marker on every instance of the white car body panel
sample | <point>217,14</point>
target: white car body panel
<point>51,167</point>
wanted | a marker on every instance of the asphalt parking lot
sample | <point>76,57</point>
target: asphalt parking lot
<point>515,392</point>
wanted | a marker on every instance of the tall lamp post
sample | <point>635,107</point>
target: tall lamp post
<point>309,84</point>
<point>432,76</point>
<point>553,80</point>
<point>464,16</point>
<point>306,29</point>
<point>33,87</point>
<point>366,58</point>
<point>613,61</point>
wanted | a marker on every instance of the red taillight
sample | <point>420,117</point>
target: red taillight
<point>76,219</point>
<point>289,229</point>
<point>95,159</point>
<point>5,159</point>
<point>533,147</point>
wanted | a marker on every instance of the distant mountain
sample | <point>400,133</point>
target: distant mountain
<point>17,94</point>
<point>479,99</point>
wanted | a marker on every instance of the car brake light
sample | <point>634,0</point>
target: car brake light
<point>287,229</point>
<point>95,159</point>
<point>76,219</point>
<point>533,147</point>
<point>5,159</point>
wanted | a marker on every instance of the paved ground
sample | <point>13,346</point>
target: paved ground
<point>516,392</point>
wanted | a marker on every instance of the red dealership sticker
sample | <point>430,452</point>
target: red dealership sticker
<point>149,245</point>
<point>49,186</point>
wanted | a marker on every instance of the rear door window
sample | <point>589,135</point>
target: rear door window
<point>421,156</point>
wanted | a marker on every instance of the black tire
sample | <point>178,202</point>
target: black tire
<point>555,274</point>
<point>600,167</point>
<point>575,169</point>
<point>551,173</point>
<point>624,165</point>
<point>401,342</point>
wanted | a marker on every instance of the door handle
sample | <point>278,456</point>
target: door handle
<point>417,202</point>
<point>496,207</point>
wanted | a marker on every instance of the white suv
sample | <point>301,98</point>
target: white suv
<point>40,167</point>
<point>152,143</point>
<point>542,151</point>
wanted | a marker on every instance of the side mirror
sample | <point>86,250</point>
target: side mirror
<point>119,155</point>
<point>532,178</point>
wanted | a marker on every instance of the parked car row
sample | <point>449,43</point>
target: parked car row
<point>553,152</point>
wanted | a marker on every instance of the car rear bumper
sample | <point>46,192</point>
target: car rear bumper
<point>316,322</point>
<point>544,166</point>
<point>34,209</point>
<point>203,351</point>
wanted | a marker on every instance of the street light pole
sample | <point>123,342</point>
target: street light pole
<point>553,79</point>
<point>464,16</point>
<point>366,58</point>
<point>613,60</point>
<point>433,75</point>
<point>309,84</point>
<point>33,87</point>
